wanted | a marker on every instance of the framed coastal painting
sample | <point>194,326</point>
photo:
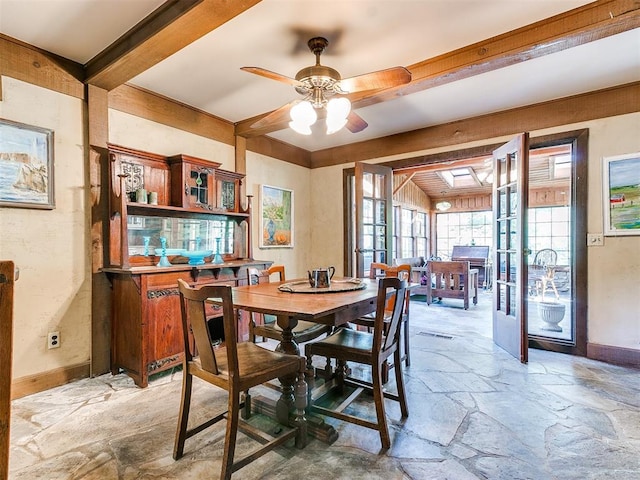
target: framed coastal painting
<point>276,217</point>
<point>621,187</point>
<point>26,166</point>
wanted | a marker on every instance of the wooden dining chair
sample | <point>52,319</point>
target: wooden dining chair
<point>403,271</point>
<point>234,367</point>
<point>348,345</point>
<point>266,325</point>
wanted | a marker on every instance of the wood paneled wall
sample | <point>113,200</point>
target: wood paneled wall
<point>409,194</point>
<point>473,203</point>
<point>550,197</point>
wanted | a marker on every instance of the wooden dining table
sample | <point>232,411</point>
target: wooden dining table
<point>324,306</point>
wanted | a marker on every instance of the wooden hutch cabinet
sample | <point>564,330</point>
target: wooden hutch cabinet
<point>198,208</point>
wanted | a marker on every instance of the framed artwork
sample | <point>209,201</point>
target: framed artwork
<point>621,187</point>
<point>276,217</point>
<point>26,166</point>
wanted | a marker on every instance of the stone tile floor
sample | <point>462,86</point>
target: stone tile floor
<point>475,413</point>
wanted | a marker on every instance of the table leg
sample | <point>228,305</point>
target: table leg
<point>288,343</point>
<point>285,407</point>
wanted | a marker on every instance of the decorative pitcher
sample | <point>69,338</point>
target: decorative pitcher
<point>321,277</point>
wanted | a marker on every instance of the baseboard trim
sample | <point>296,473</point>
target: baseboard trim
<point>617,355</point>
<point>23,386</point>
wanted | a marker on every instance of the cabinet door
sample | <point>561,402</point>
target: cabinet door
<point>193,186</point>
<point>228,190</point>
<point>199,187</point>
<point>164,339</point>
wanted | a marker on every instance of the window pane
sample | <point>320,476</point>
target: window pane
<point>367,211</point>
<point>367,185</point>
<point>379,190</point>
<point>381,205</point>
<point>406,222</point>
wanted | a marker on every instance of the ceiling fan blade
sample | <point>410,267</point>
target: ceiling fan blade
<point>277,116</point>
<point>355,123</point>
<point>272,75</point>
<point>391,77</point>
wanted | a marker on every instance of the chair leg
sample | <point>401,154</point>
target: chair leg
<point>378,399</point>
<point>407,358</point>
<point>309,372</point>
<point>252,324</point>
<point>230,437</point>
<point>301,402</point>
<point>183,417</point>
<point>404,409</point>
<point>385,372</point>
<point>246,411</point>
<point>340,374</point>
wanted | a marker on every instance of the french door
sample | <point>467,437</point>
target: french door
<point>373,216</point>
<point>510,187</point>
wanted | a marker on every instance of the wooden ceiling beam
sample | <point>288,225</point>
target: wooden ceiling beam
<point>437,167</point>
<point>404,182</point>
<point>579,26</point>
<point>174,25</point>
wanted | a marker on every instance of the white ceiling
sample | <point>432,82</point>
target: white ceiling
<point>364,35</point>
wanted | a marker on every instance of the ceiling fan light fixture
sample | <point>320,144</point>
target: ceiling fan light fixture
<point>301,128</point>
<point>334,125</point>
<point>303,115</point>
<point>338,107</point>
<point>303,112</point>
<point>337,112</point>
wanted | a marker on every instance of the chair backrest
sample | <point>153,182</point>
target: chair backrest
<point>194,319</point>
<point>378,270</point>
<point>546,257</point>
<point>279,269</point>
<point>386,331</point>
<point>254,274</point>
<point>448,274</point>
<point>381,270</point>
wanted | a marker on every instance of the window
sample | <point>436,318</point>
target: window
<point>406,227</point>
<point>549,227</point>
<point>464,228</point>
<point>409,233</point>
<point>421,234</point>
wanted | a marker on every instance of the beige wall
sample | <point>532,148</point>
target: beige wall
<point>614,269</point>
<point>141,134</point>
<point>262,170</point>
<point>51,247</point>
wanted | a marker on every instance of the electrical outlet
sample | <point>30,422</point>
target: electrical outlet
<point>595,240</point>
<point>53,340</point>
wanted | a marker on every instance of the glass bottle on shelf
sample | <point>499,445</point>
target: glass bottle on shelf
<point>164,261</point>
<point>217,259</point>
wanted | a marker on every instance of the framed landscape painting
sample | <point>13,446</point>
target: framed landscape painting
<point>26,166</point>
<point>621,187</point>
<point>276,217</point>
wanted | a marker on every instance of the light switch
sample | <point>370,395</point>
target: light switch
<point>595,240</point>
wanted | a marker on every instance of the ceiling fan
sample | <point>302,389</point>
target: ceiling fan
<point>324,90</point>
